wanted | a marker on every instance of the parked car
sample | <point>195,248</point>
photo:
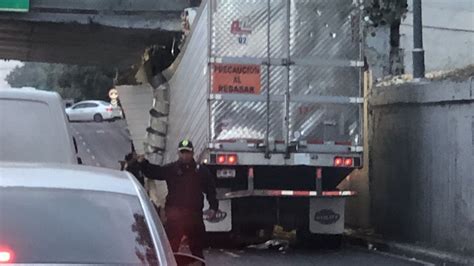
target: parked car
<point>62,214</point>
<point>34,128</point>
<point>97,111</point>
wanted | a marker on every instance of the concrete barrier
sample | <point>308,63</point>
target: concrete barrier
<point>421,162</point>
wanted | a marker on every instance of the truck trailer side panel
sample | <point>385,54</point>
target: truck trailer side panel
<point>189,112</point>
<point>270,92</point>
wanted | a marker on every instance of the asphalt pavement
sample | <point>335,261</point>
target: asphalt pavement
<point>343,256</point>
<point>104,144</point>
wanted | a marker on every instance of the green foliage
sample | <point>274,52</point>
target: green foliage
<point>385,12</point>
<point>71,81</point>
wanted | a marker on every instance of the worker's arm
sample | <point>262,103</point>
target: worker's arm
<point>210,188</point>
<point>152,171</point>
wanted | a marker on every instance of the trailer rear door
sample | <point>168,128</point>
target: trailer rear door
<point>286,71</point>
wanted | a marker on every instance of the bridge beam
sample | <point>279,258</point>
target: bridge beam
<point>90,32</point>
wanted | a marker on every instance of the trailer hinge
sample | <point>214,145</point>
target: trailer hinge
<point>356,149</point>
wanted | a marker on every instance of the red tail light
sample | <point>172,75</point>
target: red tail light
<point>348,162</point>
<point>232,159</point>
<point>109,109</point>
<point>343,162</point>
<point>221,159</point>
<point>227,159</point>
<point>6,255</point>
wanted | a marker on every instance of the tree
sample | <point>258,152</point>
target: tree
<point>71,81</point>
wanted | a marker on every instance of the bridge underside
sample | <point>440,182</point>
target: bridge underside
<point>75,43</point>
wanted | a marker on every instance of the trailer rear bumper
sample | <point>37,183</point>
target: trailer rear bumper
<point>300,210</point>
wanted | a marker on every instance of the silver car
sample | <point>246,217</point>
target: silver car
<point>60,214</point>
<point>97,111</point>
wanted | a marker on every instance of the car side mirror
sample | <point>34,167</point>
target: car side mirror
<point>184,259</point>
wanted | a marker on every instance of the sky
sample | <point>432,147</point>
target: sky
<point>5,68</point>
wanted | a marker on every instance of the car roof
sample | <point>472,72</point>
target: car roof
<point>29,94</point>
<point>91,101</point>
<point>63,176</point>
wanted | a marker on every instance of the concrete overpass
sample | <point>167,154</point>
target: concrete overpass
<point>105,32</point>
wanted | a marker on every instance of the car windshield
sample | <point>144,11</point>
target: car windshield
<point>74,226</point>
<point>28,134</point>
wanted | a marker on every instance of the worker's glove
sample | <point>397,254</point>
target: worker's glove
<point>140,158</point>
<point>131,160</point>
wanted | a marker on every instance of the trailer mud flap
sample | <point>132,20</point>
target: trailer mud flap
<point>223,220</point>
<point>326,215</point>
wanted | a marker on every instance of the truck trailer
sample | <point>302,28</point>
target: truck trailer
<point>271,94</point>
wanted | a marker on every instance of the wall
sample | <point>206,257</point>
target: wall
<point>377,51</point>
<point>421,162</point>
<point>448,33</point>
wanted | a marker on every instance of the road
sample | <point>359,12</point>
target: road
<point>104,144</point>
<point>344,256</point>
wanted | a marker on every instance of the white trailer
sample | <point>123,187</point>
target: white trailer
<point>270,92</point>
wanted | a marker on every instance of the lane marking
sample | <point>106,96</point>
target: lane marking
<point>97,164</point>
<point>232,254</point>
<point>80,137</point>
<point>100,131</point>
<point>93,157</point>
<point>88,151</point>
<point>84,143</point>
<point>403,258</point>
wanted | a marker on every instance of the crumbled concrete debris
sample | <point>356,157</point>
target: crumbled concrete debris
<point>273,244</point>
<point>460,74</point>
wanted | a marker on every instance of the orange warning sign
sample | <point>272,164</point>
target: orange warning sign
<point>235,78</point>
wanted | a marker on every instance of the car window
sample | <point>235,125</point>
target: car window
<point>80,106</point>
<point>74,226</point>
<point>29,134</point>
<point>91,105</point>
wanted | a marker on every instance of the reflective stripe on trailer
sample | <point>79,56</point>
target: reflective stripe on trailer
<point>295,193</point>
<point>339,193</point>
<point>286,193</point>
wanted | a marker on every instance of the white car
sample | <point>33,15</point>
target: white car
<point>34,128</point>
<point>97,111</point>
